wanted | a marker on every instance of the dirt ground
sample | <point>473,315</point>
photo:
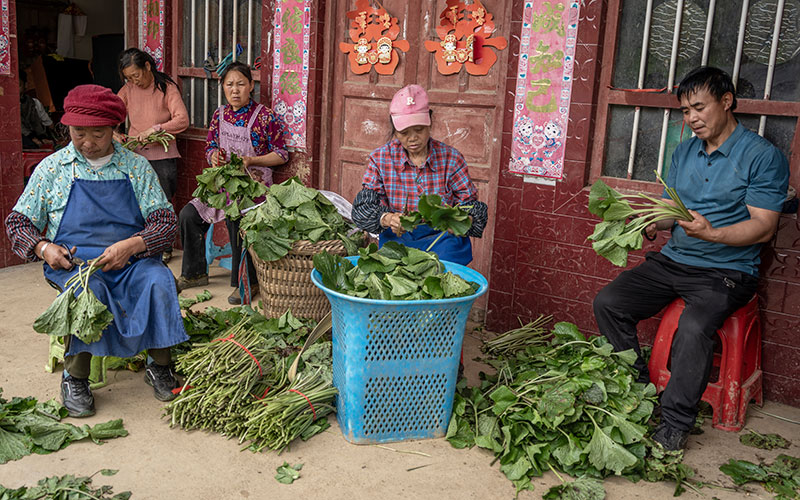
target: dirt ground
<point>157,462</point>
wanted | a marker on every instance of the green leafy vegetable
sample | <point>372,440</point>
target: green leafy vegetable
<point>613,237</point>
<point>393,272</point>
<point>763,441</point>
<point>27,426</point>
<point>83,316</point>
<point>160,137</point>
<point>187,302</point>
<point>781,478</point>
<point>237,384</point>
<point>444,218</point>
<point>293,212</point>
<point>66,487</point>
<point>583,488</point>
<point>560,401</point>
<point>287,474</point>
<point>229,187</point>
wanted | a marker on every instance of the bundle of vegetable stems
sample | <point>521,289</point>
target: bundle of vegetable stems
<point>534,333</point>
<point>647,209</point>
<point>237,386</point>
<point>161,137</point>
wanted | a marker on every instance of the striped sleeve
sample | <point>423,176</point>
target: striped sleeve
<point>159,231</point>
<point>23,235</point>
<point>367,211</point>
<point>480,215</point>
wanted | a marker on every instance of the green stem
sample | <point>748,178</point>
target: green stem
<point>435,241</point>
<point>556,473</point>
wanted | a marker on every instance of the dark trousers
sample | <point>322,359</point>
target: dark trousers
<point>193,237</point>
<point>167,172</point>
<point>711,296</point>
<point>80,365</point>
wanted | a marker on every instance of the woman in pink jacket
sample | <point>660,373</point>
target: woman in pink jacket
<point>154,103</point>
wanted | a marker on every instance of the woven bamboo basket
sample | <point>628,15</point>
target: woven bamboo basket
<point>286,283</point>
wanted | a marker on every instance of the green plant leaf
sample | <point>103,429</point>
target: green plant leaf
<point>583,488</point>
<point>604,453</point>
<point>55,319</point>
<point>288,474</point>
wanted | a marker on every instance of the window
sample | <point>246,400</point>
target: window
<point>639,123</point>
<point>206,29</point>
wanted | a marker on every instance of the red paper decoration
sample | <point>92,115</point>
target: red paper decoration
<point>464,31</point>
<point>374,35</point>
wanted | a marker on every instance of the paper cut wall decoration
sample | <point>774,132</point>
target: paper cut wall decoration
<point>464,30</point>
<point>374,35</point>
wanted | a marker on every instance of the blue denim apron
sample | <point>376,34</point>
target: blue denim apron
<point>142,295</point>
<point>451,248</point>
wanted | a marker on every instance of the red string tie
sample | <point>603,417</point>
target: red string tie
<point>309,401</point>
<point>178,390</point>
<point>262,396</point>
<point>229,338</point>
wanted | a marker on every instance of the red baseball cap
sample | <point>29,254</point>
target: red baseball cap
<point>410,107</point>
<point>93,106</point>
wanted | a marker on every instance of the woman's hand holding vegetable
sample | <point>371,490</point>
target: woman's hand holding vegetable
<point>55,255</point>
<point>392,221</point>
<point>218,157</point>
<point>117,255</point>
<point>144,135</point>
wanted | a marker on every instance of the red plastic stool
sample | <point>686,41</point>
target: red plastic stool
<point>739,363</point>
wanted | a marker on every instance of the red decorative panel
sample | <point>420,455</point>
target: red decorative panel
<point>504,272</point>
<point>537,197</point>
<point>779,328</point>
<point>782,389</point>
<point>780,360</point>
<point>545,226</point>
<point>507,212</point>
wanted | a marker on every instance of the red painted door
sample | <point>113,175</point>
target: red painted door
<point>467,109</point>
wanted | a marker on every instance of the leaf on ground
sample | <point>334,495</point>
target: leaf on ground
<point>583,488</point>
<point>764,441</point>
<point>287,474</point>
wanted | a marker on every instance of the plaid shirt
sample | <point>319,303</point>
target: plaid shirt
<point>400,184</point>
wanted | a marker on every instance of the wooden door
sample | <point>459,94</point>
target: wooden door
<point>467,109</point>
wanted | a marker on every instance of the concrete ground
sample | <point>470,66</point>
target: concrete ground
<point>157,462</point>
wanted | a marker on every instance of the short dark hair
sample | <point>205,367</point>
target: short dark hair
<point>714,80</point>
<point>239,67</point>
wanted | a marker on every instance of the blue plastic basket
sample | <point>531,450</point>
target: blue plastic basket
<point>395,362</point>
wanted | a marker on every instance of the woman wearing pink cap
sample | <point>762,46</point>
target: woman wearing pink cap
<point>95,199</point>
<point>410,165</point>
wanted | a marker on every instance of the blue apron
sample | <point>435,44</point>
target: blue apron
<point>451,248</point>
<point>142,295</point>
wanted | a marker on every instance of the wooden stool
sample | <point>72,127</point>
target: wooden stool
<point>739,363</point>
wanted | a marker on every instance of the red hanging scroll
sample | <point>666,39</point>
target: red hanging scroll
<point>374,35</point>
<point>153,30</point>
<point>464,33</point>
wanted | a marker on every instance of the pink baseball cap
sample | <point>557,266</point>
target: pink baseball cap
<point>410,107</point>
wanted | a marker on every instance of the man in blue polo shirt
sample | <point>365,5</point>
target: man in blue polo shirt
<point>734,184</point>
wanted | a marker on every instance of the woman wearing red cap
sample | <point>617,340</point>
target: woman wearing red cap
<point>95,199</point>
<point>154,103</point>
<point>410,165</point>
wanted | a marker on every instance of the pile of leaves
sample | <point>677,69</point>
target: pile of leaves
<point>565,403</point>
<point>83,316</point>
<point>287,474</point>
<point>237,383</point>
<point>763,441</point>
<point>782,477</point>
<point>27,426</point>
<point>293,212</point>
<point>229,187</point>
<point>614,236</point>
<point>66,487</point>
<point>439,216</point>
<point>393,272</point>
<point>161,137</point>
<point>187,302</point>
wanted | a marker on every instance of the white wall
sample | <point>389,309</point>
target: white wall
<point>105,16</point>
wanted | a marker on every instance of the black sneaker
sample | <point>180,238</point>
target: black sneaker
<point>77,396</point>
<point>670,438</point>
<point>162,379</point>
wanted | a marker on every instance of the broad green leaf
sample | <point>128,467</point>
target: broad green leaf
<point>433,287</point>
<point>567,332</point>
<point>291,193</point>
<point>503,398</point>
<point>401,286</point>
<point>269,246</point>
<point>518,469</point>
<point>568,453</point>
<point>583,488</point>
<point>288,474</point>
<point>763,441</point>
<point>628,356</point>
<point>454,285</point>
<point>618,211</point>
<point>107,430</point>
<point>601,196</point>
<point>605,454</point>
<point>13,446</point>
<point>55,319</point>
<point>742,471</point>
